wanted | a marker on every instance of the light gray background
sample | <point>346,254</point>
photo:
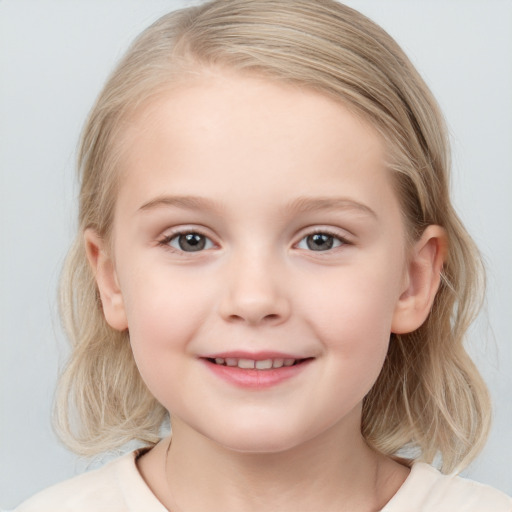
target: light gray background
<point>54,57</point>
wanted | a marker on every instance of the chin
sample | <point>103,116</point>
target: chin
<point>259,440</point>
<point>262,447</point>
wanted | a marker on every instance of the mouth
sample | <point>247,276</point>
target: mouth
<point>256,364</point>
<point>267,371</point>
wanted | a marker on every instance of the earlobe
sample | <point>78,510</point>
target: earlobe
<point>106,280</point>
<point>423,276</point>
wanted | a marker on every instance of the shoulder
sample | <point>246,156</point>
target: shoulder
<point>94,490</point>
<point>116,487</point>
<point>429,490</point>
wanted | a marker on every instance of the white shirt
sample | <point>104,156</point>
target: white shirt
<point>119,487</point>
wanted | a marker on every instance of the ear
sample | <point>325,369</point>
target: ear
<point>106,280</point>
<point>422,279</point>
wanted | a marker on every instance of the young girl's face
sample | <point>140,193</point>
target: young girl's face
<point>255,225</point>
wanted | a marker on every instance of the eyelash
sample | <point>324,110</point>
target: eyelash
<point>325,231</point>
<point>165,241</point>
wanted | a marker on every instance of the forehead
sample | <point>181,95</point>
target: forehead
<point>260,138</point>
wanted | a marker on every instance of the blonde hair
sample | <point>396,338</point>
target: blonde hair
<point>429,395</point>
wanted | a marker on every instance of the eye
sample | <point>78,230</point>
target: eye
<point>320,242</point>
<point>188,242</point>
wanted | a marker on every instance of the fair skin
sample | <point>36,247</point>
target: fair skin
<point>300,258</point>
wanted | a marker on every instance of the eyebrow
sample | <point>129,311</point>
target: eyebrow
<point>300,205</point>
<point>186,202</point>
<point>313,204</point>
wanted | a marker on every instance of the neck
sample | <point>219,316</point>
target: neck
<point>322,474</point>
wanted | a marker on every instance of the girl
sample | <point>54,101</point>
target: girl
<point>267,253</point>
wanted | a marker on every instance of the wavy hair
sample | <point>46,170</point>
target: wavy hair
<point>429,396</point>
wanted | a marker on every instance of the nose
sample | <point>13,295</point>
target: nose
<point>254,292</point>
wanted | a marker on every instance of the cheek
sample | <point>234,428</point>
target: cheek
<point>353,314</point>
<point>163,314</point>
<point>355,331</point>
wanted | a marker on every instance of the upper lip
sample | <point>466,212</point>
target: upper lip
<point>255,356</point>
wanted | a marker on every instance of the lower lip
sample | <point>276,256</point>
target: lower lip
<point>256,379</point>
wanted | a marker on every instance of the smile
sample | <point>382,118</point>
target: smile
<point>265,364</point>
<point>262,373</point>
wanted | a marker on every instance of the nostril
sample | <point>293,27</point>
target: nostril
<point>254,308</point>
<point>237,318</point>
<point>253,319</point>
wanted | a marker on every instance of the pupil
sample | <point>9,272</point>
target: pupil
<point>191,242</point>
<point>320,242</point>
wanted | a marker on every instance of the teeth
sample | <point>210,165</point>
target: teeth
<point>264,364</point>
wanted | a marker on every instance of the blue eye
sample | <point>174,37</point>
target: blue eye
<point>189,242</point>
<point>320,242</point>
